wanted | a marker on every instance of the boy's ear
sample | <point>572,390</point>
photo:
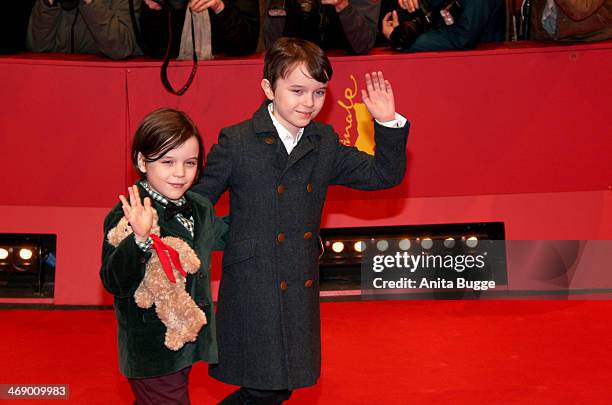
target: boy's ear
<point>267,88</point>
<point>141,163</point>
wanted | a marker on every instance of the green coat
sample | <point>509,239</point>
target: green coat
<point>142,352</point>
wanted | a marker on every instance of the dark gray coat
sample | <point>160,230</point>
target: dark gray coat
<point>268,310</point>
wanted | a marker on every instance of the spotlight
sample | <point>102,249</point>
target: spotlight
<point>404,244</point>
<point>426,243</point>
<point>449,243</point>
<point>471,242</point>
<point>382,245</point>
<point>337,247</point>
<point>360,246</point>
<point>25,254</point>
<point>3,253</point>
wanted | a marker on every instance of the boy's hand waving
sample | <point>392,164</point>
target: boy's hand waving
<point>378,97</point>
<point>138,215</point>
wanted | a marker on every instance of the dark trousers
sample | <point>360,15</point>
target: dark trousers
<point>168,389</point>
<point>250,396</point>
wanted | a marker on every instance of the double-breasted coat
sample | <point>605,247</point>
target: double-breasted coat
<point>268,308</point>
<point>141,333</point>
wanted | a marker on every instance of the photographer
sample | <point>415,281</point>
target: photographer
<point>470,23</point>
<point>82,26</point>
<point>234,25</point>
<point>332,24</point>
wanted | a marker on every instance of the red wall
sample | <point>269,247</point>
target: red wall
<point>519,135</point>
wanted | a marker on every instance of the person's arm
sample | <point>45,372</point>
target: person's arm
<point>221,231</point>
<point>464,34</point>
<point>217,171</point>
<point>42,29</point>
<point>111,26</point>
<point>579,10</point>
<point>123,267</point>
<point>359,19</point>
<point>387,167</point>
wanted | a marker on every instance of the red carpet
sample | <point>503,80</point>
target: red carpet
<point>403,352</point>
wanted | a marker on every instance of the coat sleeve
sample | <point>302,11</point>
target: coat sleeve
<point>111,26</point>
<point>236,28</point>
<point>43,26</point>
<point>217,171</point>
<point>464,34</point>
<point>221,229</point>
<point>579,10</point>
<point>356,169</point>
<point>123,267</point>
<point>359,22</point>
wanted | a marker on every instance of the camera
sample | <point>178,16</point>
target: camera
<point>422,20</point>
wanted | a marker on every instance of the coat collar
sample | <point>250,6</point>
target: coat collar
<point>172,227</point>
<point>262,123</point>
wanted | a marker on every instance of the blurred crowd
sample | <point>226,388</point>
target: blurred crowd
<point>177,28</point>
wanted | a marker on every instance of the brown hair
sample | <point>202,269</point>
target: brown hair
<point>286,53</point>
<point>161,131</point>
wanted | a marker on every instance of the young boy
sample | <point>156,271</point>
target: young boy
<point>277,167</point>
<point>167,152</point>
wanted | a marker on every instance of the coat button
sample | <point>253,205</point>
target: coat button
<point>269,140</point>
<point>283,285</point>
<point>201,274</point>
<point>308,235</point>
<point>308,283</point>
<point>309,187</point>
<point>280,189</point>
<point>280,237</point>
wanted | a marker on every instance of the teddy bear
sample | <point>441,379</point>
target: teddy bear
<point>174,306</point>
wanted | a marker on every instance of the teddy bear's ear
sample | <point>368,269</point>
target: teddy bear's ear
<point>119,232</point>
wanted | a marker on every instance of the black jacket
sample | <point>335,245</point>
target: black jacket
<point>234,30</point>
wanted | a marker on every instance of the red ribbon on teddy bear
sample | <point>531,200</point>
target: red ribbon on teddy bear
<point>167,254</point>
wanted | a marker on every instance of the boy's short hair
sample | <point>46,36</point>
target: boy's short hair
<point>286,53</point>
<point>161,131</point>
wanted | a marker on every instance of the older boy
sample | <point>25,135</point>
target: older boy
<point>277,167</point>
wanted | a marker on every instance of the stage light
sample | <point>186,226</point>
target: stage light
<point>382,245</point>
<point>449,243</point>
<point>359,246</point>
<point>471,242</point>
<point>3,253</point>
<point>25,253</point>
<point>337,247</point>
<point>426,243</point>
<point>404,244</point>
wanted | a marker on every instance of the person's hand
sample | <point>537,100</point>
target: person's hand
<point>152,5</point>
<point>138,215</point>
<point>339,5</point>
<point>410,5</point>
<point>378,97</point>
<point>389,23</point>
<point>197,6</point>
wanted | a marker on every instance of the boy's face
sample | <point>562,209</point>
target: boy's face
<point>298,98</point>
<point>173,173</point>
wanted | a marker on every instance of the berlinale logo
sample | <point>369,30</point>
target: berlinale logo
<point>358,119</point>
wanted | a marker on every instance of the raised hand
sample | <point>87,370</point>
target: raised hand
<point>378,97</point>
<point>138,215</point>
